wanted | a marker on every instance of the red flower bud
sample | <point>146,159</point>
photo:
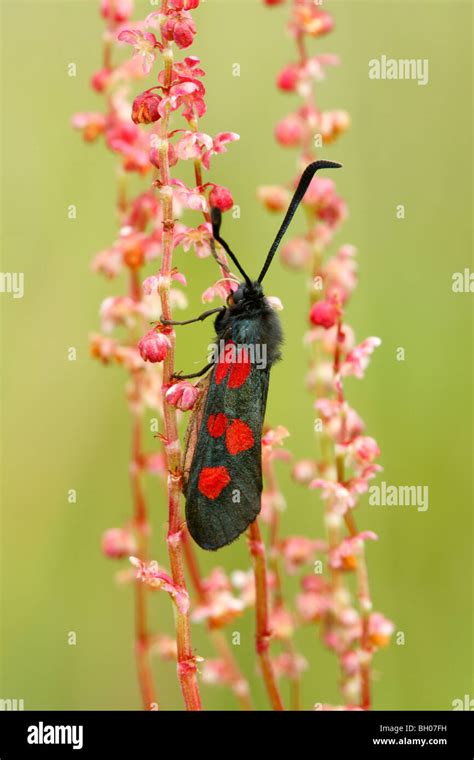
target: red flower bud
<point>289,131</point>
<point>182,395</point>
<point>324,314</point>
<point>221,197</point>
<point>145,108</point>
<point>154,346</point>
<point>288,78</point>
<point>179,28</point>
<point>100,79</point>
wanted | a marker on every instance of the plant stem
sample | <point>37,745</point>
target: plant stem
<point>239,684</point>
<point>262,632</point>
<point>187,669</point>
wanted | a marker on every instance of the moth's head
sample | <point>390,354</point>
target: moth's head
<point>246,293</point>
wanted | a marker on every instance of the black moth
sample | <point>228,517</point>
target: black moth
<point>222,472</point>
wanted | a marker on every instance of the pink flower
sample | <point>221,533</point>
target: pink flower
<point>219,146</point>
<point>364,449</point>
<point>192,198</point>
<point>197,237</point>
<point>120,310</point>
<point>154,346</point>
<point>325,313</point>
<point>274,437</point>
<point>357,360</point>
<point>380,629</point>
<point>182,395</point>
<point>145,109</point>
<point>118,543</point>
<point>273,197</point>
<point>296,254</point>
<point>281,623</point>
<point>221,198</point>
<point>220,289</point>
<point>290,131</point>
<point>327,205</point>
<point>90,124</point>
<point>157,579</point>
<point>341,422</point>
<point>339,498</point>
<point>192,144</point>
<point>298,551</point>
<point>102,347</point>
<point>144,44</point>
<point>340,273</point>
<point>116,10</point>
<point>288,664</point>
<point>304,471</point>
<point>332,124</point>
<point>179,27</point>
<point>308,19</point>
<point>314,602</point>
<point>345,555</point>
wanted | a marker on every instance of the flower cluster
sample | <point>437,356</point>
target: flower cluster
<point>347,461</point>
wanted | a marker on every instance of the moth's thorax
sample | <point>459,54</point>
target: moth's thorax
<point>250,319</point>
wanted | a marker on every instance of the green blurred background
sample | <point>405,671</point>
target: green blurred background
<point>65,424</point>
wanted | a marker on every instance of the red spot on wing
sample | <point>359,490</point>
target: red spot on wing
<point>212,481</point>
<point>224,363</point>
<point>239,437</point>
<point>216,424</point>
<point>239,373</point>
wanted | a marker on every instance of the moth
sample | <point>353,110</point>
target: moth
<point>222,468</point>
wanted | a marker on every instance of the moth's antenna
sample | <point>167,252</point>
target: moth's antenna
<point>216,218</point>
<point>303,185</point>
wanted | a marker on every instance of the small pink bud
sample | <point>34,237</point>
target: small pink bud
<point>273,197</point>
<point>324,314</point>
<point>118,543</point>
<point>116,10</point>
<point>304,471</point>
<point>296,254</point>
<point>100,79</point>
<point>289,131</point>
<point>221,198</point>
<point>182,395</point>
<point>273,2</point>
<point>145,108</point>
<point>288,77</point>
<point>154,346</point>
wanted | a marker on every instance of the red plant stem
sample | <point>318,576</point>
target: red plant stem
<point>187,669</point>
<point>262,631</point>
<point>273,490</point>
<point>238,682</point>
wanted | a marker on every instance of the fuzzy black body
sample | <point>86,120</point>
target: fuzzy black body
<point>224,483</point>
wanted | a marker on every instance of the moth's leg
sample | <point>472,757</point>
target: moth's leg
<point>201,372</point>
<point>201,317</point>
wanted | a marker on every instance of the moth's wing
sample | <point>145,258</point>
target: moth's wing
<point>192,430</point>
<point>225,482</point>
